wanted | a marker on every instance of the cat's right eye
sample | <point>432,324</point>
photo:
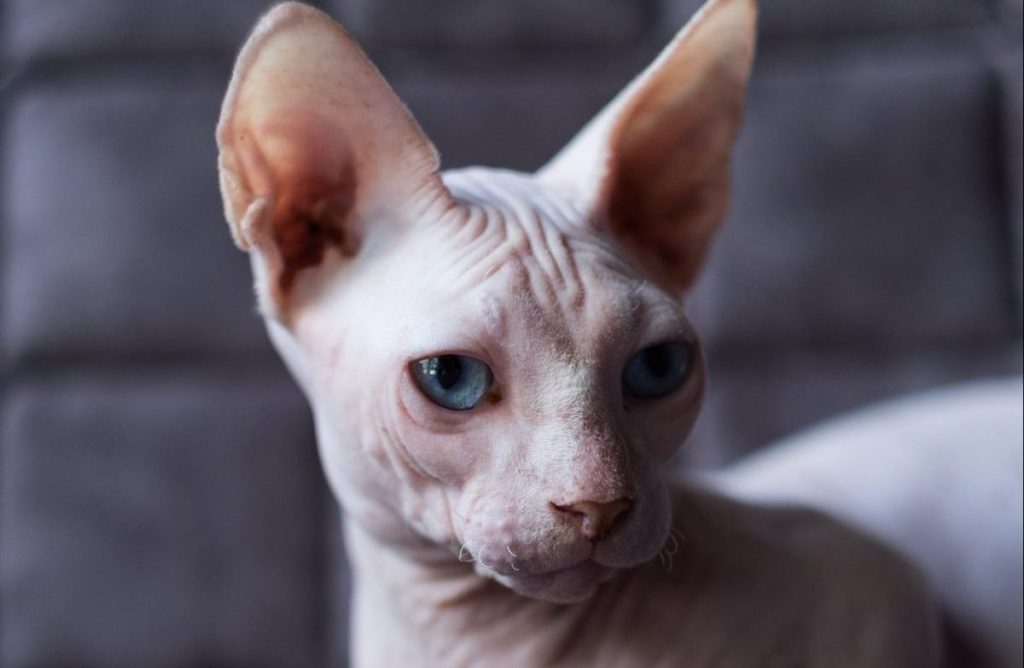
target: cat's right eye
<point>456,382</point>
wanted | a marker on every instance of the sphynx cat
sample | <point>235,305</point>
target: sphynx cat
<point>500,369</point>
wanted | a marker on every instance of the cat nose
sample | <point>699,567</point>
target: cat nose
<point>595,518</point>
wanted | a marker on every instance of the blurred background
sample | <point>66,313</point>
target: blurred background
<point>161,503</point>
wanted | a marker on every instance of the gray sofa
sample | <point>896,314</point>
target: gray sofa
<point>161,503</point>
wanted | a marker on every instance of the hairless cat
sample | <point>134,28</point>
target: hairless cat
<point>500,369</point>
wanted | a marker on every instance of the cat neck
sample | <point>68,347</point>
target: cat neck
<point>424,607</point>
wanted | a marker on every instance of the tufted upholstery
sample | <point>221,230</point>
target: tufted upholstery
<point>160,498</point>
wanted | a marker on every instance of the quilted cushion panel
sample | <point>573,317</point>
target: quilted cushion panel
<point>116,241</point>
<point>798,19</point>
<point>865,211</point>
<point>38,29</point>
<point>157,519</point>
<point>493,24</point>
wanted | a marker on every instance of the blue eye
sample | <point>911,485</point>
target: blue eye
<point>457,382</point>
<point>656,371</point>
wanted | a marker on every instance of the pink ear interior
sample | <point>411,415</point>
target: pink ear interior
<point>669,185</point>
<point>662,148</point>
<point>305,161</point>
<point>312,133</point>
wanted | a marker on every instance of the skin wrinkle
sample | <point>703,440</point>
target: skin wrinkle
<point>485,245</point>
<point>414,473</point>
<point>413,476</point>
<point>548,279</point>
<point>576,293</point>
<point>404,412</point>
<point>541,223</point>
<point>404,467</point>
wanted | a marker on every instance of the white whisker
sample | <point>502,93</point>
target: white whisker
<point>672,551</point>
<point>514,555</point>
<point>464,550</point>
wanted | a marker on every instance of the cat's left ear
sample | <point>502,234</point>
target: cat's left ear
<point>653,166</point>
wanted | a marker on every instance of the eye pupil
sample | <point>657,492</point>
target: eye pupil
<point>658,360</point>
<point>447,369</point>
<point>656,371</point>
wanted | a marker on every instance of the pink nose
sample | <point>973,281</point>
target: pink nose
<point>595,518</point>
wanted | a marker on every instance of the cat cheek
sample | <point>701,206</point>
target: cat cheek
<point>441,443</point>
<point>662,427</point>
<point>417,413</point>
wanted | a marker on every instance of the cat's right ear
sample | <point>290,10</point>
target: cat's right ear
<point>316,154</point>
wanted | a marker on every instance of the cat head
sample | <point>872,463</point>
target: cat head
<point>498,363</point>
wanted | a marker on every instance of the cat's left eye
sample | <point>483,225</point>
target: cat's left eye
<point>656,371</point>
<point>457,382</point>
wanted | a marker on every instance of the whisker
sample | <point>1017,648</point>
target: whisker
<point>514,555</point>
<point>670,548</point>
<point>676,537</point>
<point>672,551</point>
<point>463,550</point>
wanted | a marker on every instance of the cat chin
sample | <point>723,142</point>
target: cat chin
<point>567,585</point>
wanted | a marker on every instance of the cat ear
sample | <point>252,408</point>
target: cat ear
<point>316,152</point>
<point>653,166</point>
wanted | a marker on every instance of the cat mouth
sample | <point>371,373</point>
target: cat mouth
<point>564,585</point>
<point>587,572</point>
<point>586,569</point>
<point>587,564</point>
<point>513,567</point>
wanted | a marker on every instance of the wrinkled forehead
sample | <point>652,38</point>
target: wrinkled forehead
<point>527,259</point>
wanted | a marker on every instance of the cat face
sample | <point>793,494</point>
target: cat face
<point>498,363</point>
<point>517,364</point>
